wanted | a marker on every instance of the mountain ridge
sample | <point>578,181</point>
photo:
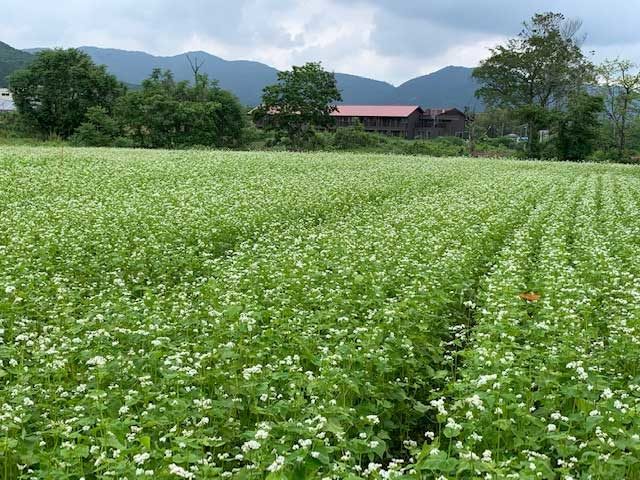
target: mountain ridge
<point>11,59</point>
<point>452,86</point>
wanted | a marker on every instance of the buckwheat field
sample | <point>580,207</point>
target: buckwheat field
<point>207,315</point>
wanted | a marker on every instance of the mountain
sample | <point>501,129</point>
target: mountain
<point>449,87</point>
<point>10,61</point>
<point>361,90</point>
<point>244,78</point>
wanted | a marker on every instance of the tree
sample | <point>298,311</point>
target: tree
<point>299,103</point>
<point>54,93</point>
<point>578,127</point>
<point>496,122</point>
<point>170,114</point>
<point>622,89</point>
<point>195,65</point>
<point>535,72</point>
<point>472,129</point>
<point>98,130</point>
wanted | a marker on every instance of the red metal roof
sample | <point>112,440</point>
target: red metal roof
<point>375,110</point>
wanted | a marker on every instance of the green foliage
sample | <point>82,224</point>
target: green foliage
<point>300,103</point>
<point>15,131</point>
<point>535,72</point>
<point>541,66</point>
<point>170,114</point>
<point>552,403</point>
<point>12,125</point>
<point>98,130</point>
<point>578,127</point>
<point>601,156</point>
<point>505,142</point>
<point>497,122</point>
<point>354,138</point>
<point>205,315</point>
<point>437,147</point>
<point>254,138</point>
<point>620,84</point>
<point>54,93</point>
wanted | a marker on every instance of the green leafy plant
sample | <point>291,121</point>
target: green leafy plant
<point>207,314</point>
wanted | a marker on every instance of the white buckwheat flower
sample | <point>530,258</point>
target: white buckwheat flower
<point>97,361</point>
<point>180,472</point>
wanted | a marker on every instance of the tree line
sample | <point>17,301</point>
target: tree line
<point>63,94</point>
<point>544,81</point>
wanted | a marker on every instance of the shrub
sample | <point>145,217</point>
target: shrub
<point>354,137</point>
<point>98,130</point>
<point>507,142</point>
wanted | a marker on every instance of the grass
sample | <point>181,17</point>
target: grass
<point>191,314</point>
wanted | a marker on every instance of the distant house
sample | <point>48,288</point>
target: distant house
<point>6,101</point>
<point>395,120</point>
<point>405,121</point>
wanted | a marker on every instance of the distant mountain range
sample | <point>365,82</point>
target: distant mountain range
<point>11,59</point>
<point>449,87</point>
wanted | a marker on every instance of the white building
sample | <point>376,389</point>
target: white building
<point>6,101</point>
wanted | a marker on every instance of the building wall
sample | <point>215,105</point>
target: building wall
<point>412,123</point>
<point>443,125</point>
<point>403,127</point>
<point>6,101</point>
<point>394,126</point>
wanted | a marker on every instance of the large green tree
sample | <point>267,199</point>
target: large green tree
<point>535,72</point>
<point>170,114</point>
<point>55,91</point>
<point>620,82</point>
<point>578,127</point>
<point>300,103</point>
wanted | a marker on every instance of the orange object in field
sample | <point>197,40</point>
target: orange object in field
<point>530,296</point>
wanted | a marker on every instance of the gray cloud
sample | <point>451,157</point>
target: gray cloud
<point>417,37</point>
<point>607,23</point>
<point>384,39</point>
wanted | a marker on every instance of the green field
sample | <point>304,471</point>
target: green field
<point>210,315</point>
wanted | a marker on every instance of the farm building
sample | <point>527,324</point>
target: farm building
<point>6,101</point>
<point>406,121</point>
<point>395,120</point>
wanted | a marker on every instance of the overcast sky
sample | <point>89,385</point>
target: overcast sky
<point>392,40</point>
